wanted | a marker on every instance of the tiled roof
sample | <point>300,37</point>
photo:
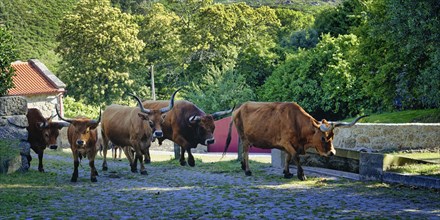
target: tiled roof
<point>33,78</point>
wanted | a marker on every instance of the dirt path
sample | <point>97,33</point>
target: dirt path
<point>209,191</point>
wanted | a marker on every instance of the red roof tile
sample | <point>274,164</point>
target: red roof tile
<point>29,80</point>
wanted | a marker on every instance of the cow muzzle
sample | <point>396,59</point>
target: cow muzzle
<point>80,142</point>
<point>331,153</point>
<point>53,146</point>
<point>157,134</point>
<point>209,141</point>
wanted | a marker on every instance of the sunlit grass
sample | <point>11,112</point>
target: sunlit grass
<point>407,116</point>
<point>432,170</point>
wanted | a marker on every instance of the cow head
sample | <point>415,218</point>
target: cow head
<point>323,135</point>
<point>204,126</point>
<point>155,118</point>
<point>82,129</point>
<point>50,131</point>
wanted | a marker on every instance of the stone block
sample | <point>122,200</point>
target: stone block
<point>13,105</point>
<point>277,158</point>
<point>371,166</point>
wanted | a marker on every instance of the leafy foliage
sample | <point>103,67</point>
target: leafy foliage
<point>34,25</point>
<point>319,79</point>
<point>222,91</point>
<point>74,108</point>
<point>7,56</point>
<point>97,43</point>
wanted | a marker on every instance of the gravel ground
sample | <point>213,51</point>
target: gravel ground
<point>171,191</point>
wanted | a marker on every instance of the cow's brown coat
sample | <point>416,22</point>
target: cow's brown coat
<point>42,133</point>
<point>281,125</point>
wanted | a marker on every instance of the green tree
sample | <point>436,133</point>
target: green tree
<point>230,35</point>
<point>222,91</point>
<point>7,56</point>
<point>319,79</point>
<point>398,55</point>
<point>159,27</point>
<point>341,19</point>
<point>97,45</point>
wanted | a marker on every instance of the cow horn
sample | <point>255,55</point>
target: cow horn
<point>347,124</point>
<point>144,110</point>
<point>324,128</point>
<point>43,125</point>
<point>59,116</point>
<point>221,113</point>
<point>166,109</point>
<point>99,119</point>
<point>194,118</point>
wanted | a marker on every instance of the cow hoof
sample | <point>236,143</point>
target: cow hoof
<point>288,175</point>
<point>104,168</point>
<point>41,170</point>
<point>134,171</point>
<point>96,173</point>
<point>94,180</point>
<point>248,173</point>
<point>191,163</point>
<point>144,172</point>
<point>73,180</point>
<point>147,161</point>
<point>302,177</point>
<point>183,163</point>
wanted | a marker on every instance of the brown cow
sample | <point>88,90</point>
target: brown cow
<point>186,125</point>
<point>285,126</point>
<point>42,132</point>
<point>82,135</point>
<point>132,126</point>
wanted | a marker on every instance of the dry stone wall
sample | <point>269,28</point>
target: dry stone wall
<point>379,137</point>
<point>13,123</point>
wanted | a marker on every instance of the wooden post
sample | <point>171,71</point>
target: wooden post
<point>153,89</point>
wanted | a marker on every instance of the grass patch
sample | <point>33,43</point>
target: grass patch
<point>407,116</point>
<point>433,157</point>
<point>432,170</point>
<point>7,149</point>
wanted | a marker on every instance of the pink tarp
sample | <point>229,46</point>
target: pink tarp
<point>220,135</point>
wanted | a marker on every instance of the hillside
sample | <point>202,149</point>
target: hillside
<point>34,25</point>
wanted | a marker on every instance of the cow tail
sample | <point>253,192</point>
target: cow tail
<point>228,139</point>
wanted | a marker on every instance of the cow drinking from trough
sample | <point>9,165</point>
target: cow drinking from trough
<point>187,125</point>
<point>285,126</point>
<point>134,127</point>
<point>42,133</point>
<point>82,136</point>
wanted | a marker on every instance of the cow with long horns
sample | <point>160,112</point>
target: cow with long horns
<point>134,127</point>
<point>82,137</point>
<point>284,126</point>
<point>42,133</point>
<point>187,125</point>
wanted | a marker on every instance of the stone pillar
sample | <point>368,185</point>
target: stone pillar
<point>371,166</point>
<point>278,158</point>
<point>14,148</point>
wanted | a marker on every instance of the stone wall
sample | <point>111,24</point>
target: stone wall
<point>13,123</point>
<point>378,137</point>
<point>44,103</point>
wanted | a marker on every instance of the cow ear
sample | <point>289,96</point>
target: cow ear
<point>93,126</point>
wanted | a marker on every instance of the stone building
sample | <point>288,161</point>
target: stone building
<point>41,88</point>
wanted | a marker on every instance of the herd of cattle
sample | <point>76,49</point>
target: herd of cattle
<point>281,125</point>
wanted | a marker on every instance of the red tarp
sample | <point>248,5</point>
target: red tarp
<point>220,135</point>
